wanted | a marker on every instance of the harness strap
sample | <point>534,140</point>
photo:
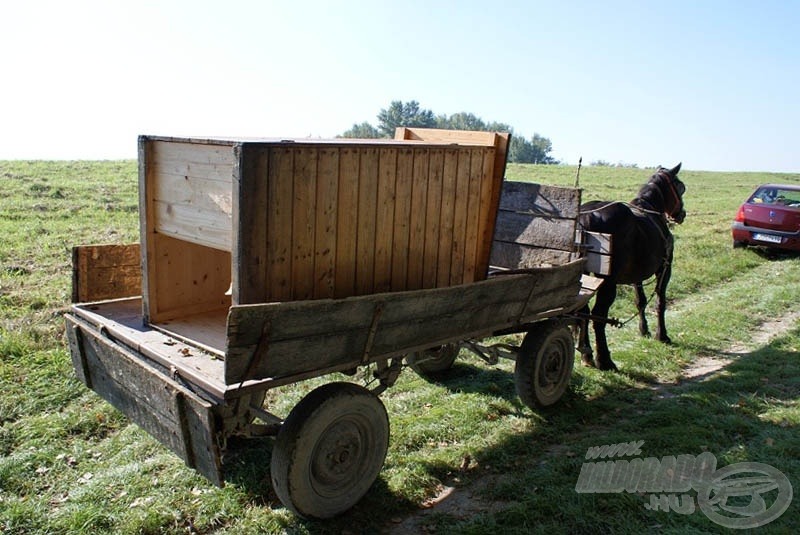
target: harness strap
<point>672,189</point>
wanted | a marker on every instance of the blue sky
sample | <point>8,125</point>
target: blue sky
<point>713,84</point>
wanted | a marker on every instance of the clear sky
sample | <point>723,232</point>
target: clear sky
<point>713,84</point>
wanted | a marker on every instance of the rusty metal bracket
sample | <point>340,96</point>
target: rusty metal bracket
<point>376,316</point>
<point>387,374</point>
<point>493,353</point>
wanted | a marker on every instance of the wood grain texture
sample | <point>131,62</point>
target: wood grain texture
<point>411,319</point>
<point>173,415</point>
<point>106,272</point>
<point>535,225</point>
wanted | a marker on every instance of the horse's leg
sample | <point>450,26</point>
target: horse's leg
<point>662,279</point>
<point>584,345</point>
<point>605,298</point>
<point>641,304</point>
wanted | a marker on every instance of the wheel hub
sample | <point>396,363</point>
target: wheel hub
<point>337,459</point>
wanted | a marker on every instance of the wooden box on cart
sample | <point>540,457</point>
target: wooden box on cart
<point>230,222</point>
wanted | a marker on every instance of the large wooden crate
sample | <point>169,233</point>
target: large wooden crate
<point>230,222</point>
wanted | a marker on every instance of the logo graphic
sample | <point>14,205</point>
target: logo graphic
<point>739,496</point>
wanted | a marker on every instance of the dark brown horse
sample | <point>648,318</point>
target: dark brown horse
<point>641,246</point>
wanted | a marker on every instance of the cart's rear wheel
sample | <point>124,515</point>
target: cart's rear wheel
<point>330,450</point>
<point>433,362</point>
<point>544,364</point>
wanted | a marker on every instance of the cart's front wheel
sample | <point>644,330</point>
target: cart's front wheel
<point>330,450</point>
<point>433,362</point>
<point>544,364</point>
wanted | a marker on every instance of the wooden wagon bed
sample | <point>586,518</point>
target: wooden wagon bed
<point>263,346</point>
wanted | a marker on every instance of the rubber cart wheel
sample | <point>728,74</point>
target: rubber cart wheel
<point>544,364</point>
<point>330,450</point>
<point>433,362</point>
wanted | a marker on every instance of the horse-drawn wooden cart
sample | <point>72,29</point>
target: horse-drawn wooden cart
<point>264,263</point>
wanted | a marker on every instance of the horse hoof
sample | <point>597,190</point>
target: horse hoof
<point>665,340</point>
<point>608,367</point>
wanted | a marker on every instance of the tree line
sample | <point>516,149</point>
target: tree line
<point>533,150</point>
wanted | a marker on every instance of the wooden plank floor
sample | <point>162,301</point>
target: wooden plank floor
<point>200,362</point>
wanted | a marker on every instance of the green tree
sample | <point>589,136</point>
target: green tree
<point>535,150</point>
<point>400,114</point>
<point>460,121</point>
<point>494,126</point>
<point>362,131</point>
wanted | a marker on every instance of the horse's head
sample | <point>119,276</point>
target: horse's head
<point>672,190</point>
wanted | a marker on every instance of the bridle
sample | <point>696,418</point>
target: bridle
<point>676,196</point>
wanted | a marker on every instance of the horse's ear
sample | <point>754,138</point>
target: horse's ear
<point>674,171</point>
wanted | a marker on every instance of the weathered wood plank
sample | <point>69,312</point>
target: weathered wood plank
<point>435,135</point>
<point>327,215</point>
<point>304,211</point>
<point>290,319</point>
<point>280,192</point>
<point>367,212</point>
<point>402,218</point>
<point>340,328</point>
<point>384,230</point>
<point>518,256</point>
<point>545,232</point>
<point>347,223</point>
<point>596,242</point>
<point>597,248</point>
<point>460,204</point>
<point>195,155</point>
<point>147,230</point>
<point>446,217</point>
<point>301,346</point>
<point>210,171</point>
<point>473,220</point>
<point>598,264</point>
<point>250,225</point>
<point>433,219</point>
<point>540,199</point>
<point>203,227</point>
<point>174,416</point>
<point>106,272</point>
<point>198,192</point>
<point>419,221</point>
<point>491,182</point>
<point>121,320</point>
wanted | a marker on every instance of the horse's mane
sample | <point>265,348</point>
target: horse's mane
<point>651,195</point>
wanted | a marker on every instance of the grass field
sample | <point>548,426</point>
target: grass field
<point>70,463</point>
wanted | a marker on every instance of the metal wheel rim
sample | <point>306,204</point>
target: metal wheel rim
<point>338,455</point>
<point>552,368</point>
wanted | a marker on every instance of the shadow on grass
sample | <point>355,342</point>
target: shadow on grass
<point>532,474</point>
<point>478,379</point>
<point>747,413</point>
<point>774,254</point>
<point>248,468</point>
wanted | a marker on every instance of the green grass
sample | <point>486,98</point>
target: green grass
<point>70,463</point>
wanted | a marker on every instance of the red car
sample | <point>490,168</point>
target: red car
<point>770,217</point>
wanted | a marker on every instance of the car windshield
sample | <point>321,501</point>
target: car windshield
<point>776,196</point>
